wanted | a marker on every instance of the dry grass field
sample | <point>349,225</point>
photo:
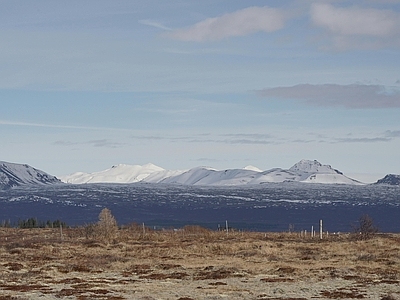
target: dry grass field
<point>196,263</point>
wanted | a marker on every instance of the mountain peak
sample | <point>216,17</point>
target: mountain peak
<point>313,166</point>
<point>390,179</point>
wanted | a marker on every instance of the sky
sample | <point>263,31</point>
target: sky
<point>85,85</point>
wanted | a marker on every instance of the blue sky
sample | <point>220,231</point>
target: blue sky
<point>88,84</point>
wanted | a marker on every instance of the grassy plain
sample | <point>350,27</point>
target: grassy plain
<point>196,263</point>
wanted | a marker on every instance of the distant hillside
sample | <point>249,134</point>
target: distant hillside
<point>390,179</point>
<point>12,175</point>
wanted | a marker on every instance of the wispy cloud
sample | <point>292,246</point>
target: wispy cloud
<point>248,135</point>
<point>105,143</point>
<point>155,24</point>
<point>234,138</point>
<point>363,140</point>
<point>159,137</point>
<point>350,96</point>
<point>148,137</point>
<point>57,126</point>
<point>355,27</point>
<point>386,136</point>
<point>392,133</point>
<point>270,139</point>
<point>248,138</point>
<point>31,124</point>
<point>239,23</point>
<point>95,143</point>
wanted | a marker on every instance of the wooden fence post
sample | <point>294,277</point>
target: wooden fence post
<point>320,229</point>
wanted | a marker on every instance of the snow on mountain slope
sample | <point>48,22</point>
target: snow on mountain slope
<point>330,179</point>
<point>208,176</point>
<point>116,174</point>
<point>12,175</point>
<point>252,168</point>
<point>304,171</point>
<point>276,175</point>
<point>158,177</point>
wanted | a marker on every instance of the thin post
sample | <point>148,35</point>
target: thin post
<point>312,231</point>
<point>61,233</point>
<point>320,229</point>
<point>144,229</point>
<point>226,227</point>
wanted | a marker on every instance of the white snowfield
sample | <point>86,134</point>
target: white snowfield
<point>116,174</point>
<point>306,171</point>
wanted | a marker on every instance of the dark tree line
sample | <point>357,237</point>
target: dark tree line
<point>34,223</point>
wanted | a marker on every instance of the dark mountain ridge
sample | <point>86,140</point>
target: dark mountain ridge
<point>13,175</point>
<point>390,179</point>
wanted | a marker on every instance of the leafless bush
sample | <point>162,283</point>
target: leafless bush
<point>365,228</point>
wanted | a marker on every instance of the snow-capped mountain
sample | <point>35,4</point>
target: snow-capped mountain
<point>116,174</point>
<point>304,171</point>
<point>390,179</point>
<point>12,175</point>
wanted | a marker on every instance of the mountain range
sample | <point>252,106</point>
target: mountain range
<point>304,171</point>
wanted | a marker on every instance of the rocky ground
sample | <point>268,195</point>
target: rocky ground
<point>196,264</point>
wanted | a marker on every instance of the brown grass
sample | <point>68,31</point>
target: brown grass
<point>195,263</point>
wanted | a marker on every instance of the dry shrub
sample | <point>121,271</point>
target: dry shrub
<point>105,229</point>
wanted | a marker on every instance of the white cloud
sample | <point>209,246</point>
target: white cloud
<point>239,23</point>
<point>356,27</point>
<point>350,96</point>
<point>354,20</point>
